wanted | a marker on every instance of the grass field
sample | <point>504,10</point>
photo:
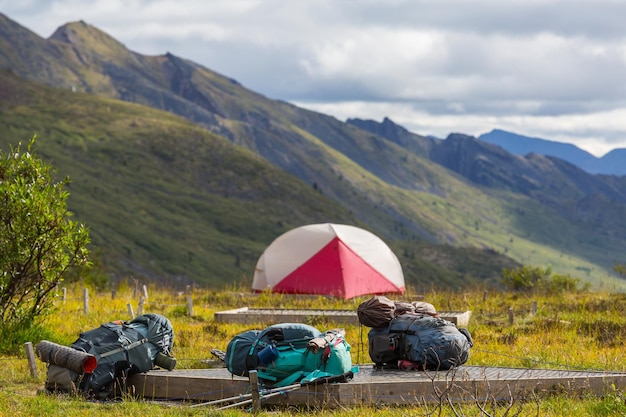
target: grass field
<point>583,331</point>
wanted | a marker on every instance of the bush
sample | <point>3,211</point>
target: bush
<point>12,338</point>
<point>39,241</point>
<point>538,279</point>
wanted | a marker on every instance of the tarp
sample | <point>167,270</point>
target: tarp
<point>329,259</point>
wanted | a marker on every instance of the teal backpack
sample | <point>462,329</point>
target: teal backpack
<point>289,353</point>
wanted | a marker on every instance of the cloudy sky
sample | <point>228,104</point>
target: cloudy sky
<point>549,69</point>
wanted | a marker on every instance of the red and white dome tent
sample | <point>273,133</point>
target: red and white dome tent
<point>329,259</point>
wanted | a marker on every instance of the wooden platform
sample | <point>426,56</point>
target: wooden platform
<point>248,315</point>
<point>371,386</point>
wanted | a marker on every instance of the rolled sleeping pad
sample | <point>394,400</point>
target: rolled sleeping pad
<point>66,357</point>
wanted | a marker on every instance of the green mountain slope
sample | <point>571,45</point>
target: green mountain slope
<point>160,195</point>
<point>167,200</point>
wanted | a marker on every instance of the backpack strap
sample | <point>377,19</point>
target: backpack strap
<point>124,348</point>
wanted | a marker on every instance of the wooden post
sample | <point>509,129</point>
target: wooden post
<point>85,301</point>
<point>131,313</point>
<point>140,306</point>
<point>30,355</point>
<point>145,292</point>
<point>484,296</point>
<point>64,295</point>
<point>534,309</point>
<point>113,293</point>
<point>511,317</point>
<point>254,390</point>
<point>190,306</point>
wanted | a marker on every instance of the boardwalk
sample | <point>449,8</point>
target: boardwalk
<point>370,386</point>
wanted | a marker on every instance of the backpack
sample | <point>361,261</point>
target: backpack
<point>429,343</point>
<point>121,348</point>
<point>242,352</point>
<point>288,353</point>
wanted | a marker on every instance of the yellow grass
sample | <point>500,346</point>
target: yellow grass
<point>575,331</point>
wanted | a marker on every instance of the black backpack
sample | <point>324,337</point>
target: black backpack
<point>121,348</point>
<point>429,343</point>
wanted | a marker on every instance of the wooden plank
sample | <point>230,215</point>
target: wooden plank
<point>189,385</point>
<point>246,315</point>
<point>471,384</point>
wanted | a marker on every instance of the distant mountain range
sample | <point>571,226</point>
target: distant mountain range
<point>613,163</point>
<point>185,175</point>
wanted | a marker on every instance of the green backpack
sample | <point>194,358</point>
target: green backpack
<point>324,356</point>
<point>288,353</point>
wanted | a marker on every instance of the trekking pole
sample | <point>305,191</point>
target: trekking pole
<point>280,391</point>
<point>243,396</point>
<point>272,392</point>
<point>275,391</point>
<point>222,400</point>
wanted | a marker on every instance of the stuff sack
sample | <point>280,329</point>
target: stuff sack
<point>121,348</point>
<point>243,351</point>
<point>415,307</point>
<point>376,312</point>
<point>430,343</point>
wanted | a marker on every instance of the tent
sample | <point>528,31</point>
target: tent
<point>330,259</point>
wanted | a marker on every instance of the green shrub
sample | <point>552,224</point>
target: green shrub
<point>39,241</point>
<point>537,279</point>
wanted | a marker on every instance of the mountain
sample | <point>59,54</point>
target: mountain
<point>580,198</point>
<point>441,204</point>
<point>613,163</point>
<point>167,200</point>
<point>397,134</point>
<point>552,181</point>
<point>163,198</point>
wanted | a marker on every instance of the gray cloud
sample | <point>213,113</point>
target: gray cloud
<point>552,68</point>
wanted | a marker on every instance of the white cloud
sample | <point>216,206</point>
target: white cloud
<point>543,68</point>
